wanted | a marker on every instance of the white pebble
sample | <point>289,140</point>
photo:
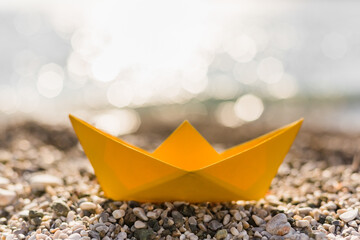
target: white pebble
<point>139,224</point>
<point>39,182</point>
<point>152,215</point>
<point>84,233</point>
<point>70,216</point>
<point>226,219</point>
<point>353,224</point>
<point>278,225</point>
<point>257,220</point>
<point>75,236</point>
<point>237,216</point>
<point>118,213</point>
<point>349,215</point>
<point>87,206</point>
<point>4,182</point>
<point>139,212</point>
<point>234,231</point>
<point>302,223</point>
<point>40,236</point>
<point>6,197</point>
<point>207,218</point>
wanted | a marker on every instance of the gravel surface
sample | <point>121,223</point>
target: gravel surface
<point>48,191</point>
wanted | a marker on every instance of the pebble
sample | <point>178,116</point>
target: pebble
<point>4,182</point>
<point>179,218</point>
<point>237,216</point>
<point>6,197</point>
<point>139,212</point>
<point>40,181</point>
<point>152,215</point>
<point>192,221</point>
<point>257,234</point>
<point>221,234</point>
<point>215,225</point>
<point>305,210</point>
<point>302,223</point>
<point>60,208</point>
<point>75,236</point>
<point>234,231</point>
<point>118,213</point>
<point>139,224</point>
<point>257,220</point>
<point>349,215</point>
<point>278,225</point>
<point>87,206</point>
<point>226,219</point>
<point>207,218</point>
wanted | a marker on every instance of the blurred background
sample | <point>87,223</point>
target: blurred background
<point>124,64</point>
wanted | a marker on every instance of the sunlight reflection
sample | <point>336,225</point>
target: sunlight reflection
<point>248,107</point>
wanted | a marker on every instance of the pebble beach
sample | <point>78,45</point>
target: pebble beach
<point>48,190</point>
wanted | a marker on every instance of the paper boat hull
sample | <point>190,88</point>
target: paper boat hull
<point>126,172</point>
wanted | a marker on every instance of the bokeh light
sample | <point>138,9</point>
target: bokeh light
<point>285,88</point>
<point>50,80</point>
<point>225,115</point>
<point>249,107</point>
<point>270,70</point>
<point>118,122</point>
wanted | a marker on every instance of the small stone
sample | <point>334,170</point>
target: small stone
<point>215,225</point>
<point>84,233</point>
<point>139,212</point>
<point>331,206</point>
<point>60,208</point>
<point>193,237</point>
<point>278,225</point>
<point>226,219</point>
<point>88,206</point>
<point>237,216</point>
<point>221,234</point>
<point>192,221</point>
<point>118,213</point>
<point>302,223</point>
<point>305,210</point>
<point>122,236</point>
<point>234,231</point>
<point>70,216</point>
<point>332,229</point>
<point>39,182</point>
<point>75,236</point>
<point>178,218</point>
<point>144,234</point>
<point>6,197</point>
<point>258,221</point>
<point>353,224</point>
<point>207,218</point>
<point>154,225</point>
<point>139,224</point>
<point>202,227</point>
<point>349,215</point>
<point>4,182</point>
<point>152,215</point>
<point>187,210</point>
<point>257,234</point>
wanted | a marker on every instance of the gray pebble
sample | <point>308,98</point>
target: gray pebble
<point>215,225</point>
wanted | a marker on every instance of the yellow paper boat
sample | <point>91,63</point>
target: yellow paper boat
<point>185,166</point>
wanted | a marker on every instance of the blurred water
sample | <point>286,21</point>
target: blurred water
<point>63,57</point>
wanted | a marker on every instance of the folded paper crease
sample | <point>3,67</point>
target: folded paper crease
<point>185,166</point>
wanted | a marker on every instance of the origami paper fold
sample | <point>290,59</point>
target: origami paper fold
<point>185,166</point>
